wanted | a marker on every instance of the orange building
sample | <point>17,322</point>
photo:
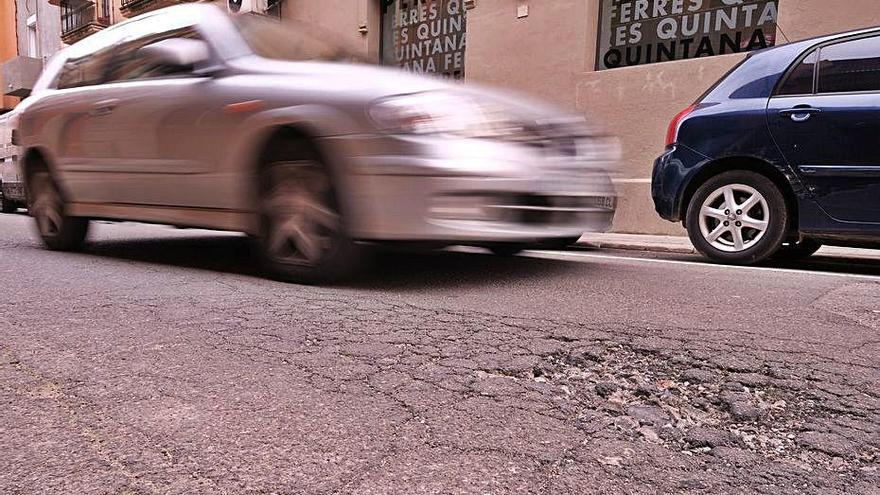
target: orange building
<point>8,47</point>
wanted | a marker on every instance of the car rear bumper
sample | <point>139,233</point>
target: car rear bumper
<point>672,172</point>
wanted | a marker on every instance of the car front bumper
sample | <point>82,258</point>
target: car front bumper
<point>478,193</point>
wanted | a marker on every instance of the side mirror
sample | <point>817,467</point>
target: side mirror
<point>177,52</point>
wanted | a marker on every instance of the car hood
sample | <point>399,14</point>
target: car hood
<point>372,82</point>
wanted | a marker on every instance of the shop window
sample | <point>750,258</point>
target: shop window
<point>32,39</point>
<point>640,32</point>
<point>425,36</point>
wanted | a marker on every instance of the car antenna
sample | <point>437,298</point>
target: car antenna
<point>783,33</point>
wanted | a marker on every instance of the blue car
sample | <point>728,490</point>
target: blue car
<point>782,155</point>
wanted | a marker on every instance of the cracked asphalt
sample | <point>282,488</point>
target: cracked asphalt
<point>158,361</point>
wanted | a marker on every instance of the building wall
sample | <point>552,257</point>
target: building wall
<point>543,53</point>
<point>8,46</point>
<point>801,19</point>
<point>551,54</point>
<point>48,26</point>
<point>354,23</point>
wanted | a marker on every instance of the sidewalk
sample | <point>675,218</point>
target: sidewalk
<point>682,245</point>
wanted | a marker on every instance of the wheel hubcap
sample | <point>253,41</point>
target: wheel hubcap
<point>47,206</point>
<point>301,220</point>
<point>734,218</point>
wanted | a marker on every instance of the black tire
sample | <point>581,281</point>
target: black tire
<point>559,244</point>
<point>507,249</point>
<point>751,245</point>
<point>795,251</point>
<point>58,230</point>
<point>7,206</point>
<point>302,231</point>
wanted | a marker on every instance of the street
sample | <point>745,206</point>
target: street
<point>159,361</point>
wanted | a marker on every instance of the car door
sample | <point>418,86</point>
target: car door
<point>825,118</point>
<point>159,119</point>
<point>82,146</point>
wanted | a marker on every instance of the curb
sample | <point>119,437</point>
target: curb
<point>633,246</point>
<point>675,248</point>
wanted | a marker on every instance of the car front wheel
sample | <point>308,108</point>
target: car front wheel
<point>738,218</point>
<point>302,238</point>
<point>59,231</point>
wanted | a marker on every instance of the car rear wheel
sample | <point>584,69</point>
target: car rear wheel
<point>302,237</point>
<point>6,205</point>
<point>793,251</point>
<point>59,231</point>
<point>737,217</point>
<point>507,249</point>
<point>560,244</point>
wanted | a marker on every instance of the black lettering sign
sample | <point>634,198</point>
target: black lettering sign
<point>638,32</point>
<point>425,36</point>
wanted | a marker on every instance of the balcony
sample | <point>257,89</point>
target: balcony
<point>131,8</point>
<point>19,75</point>
<point>80,18</point>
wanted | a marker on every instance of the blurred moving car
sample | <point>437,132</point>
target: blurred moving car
<point>781,155</point>
<point>12,191</point>
<point>191,117</point>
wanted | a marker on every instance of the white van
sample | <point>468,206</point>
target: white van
<point>12,193</point>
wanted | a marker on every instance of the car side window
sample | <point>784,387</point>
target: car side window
<point>128,64</point>
<point>86,64</point>
<point>850,66</point>
<point>800,79</point>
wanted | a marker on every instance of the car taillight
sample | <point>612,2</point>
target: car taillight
<point>672,133</point>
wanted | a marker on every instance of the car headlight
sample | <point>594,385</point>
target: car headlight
<point>437,112</point>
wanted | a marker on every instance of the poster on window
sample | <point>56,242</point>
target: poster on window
<point>639,32</point>
<point>425,36</point>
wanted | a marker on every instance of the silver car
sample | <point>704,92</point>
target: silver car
<point>191,117</point>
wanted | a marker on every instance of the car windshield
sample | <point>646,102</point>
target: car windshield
<point>293,41</point>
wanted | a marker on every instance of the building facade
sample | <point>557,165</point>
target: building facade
<point>8,48</point>
<point>629,64</point>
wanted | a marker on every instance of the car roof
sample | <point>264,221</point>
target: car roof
<point>820,39</point>
<point>761,70</point>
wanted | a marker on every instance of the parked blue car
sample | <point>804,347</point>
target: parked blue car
<point>782,155</point>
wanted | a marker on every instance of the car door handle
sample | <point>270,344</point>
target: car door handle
<point>800,114</point>
<point>104,107</point>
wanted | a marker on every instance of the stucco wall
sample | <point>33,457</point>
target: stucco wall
<point>342,19</point>
<point>48,26</point>
<point>543,54</point>
<point>801,19</point>
<point>8,46</point>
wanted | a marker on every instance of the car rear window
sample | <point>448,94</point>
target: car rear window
<point>801,78</point>
<point>850,66</point>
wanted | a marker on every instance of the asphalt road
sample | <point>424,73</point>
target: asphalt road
<point>158,361</point>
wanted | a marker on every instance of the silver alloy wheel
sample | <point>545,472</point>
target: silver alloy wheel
<point>302,221</point>
<point>734,218</point>
<point>47,207</point>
